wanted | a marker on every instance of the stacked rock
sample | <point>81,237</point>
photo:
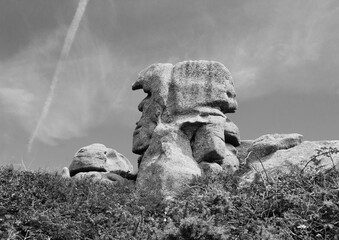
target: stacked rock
<point>183,131</point>
<point>98,163</point>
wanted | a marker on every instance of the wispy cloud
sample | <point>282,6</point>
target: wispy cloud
<point>290,53</point>
<point>88,86</point>
<point>268,46</point>
<point>69,39</point>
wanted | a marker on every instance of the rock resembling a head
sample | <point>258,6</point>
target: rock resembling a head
<point>154,81</point>
<point>177,90</point>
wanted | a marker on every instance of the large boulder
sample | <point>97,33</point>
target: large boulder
<point>189,101</point>
<point>201,83</point>
<point>309,156</point>
<point>188,85</point>
<point>98,162</point>
<point>167,165</point>
<point>266,145</point>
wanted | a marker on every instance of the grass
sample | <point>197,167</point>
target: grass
<point>42,205</point>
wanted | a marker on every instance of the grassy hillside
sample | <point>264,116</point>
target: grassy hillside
<point>42,205</point>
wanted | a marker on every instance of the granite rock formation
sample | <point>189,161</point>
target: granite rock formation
<point>267,144</point>
<point>183,131</point>
<point>271,155</point>
<point>99,163</point>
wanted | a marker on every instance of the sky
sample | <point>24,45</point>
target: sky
<point>283,56</point>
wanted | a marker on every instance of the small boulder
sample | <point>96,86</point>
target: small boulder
<point>65,173</point>
<point>230,160</point>
<point>210,169</point>
<point>99,163</point>
<point>97,157</point>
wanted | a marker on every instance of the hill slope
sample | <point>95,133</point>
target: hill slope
<point>40,205</point>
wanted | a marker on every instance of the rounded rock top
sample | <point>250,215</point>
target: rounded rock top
<point>97,157</point>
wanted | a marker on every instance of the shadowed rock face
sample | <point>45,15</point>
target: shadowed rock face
<point>187,101</point>
<point>155,82</point>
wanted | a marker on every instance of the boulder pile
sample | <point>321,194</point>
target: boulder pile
<point>185,132</point>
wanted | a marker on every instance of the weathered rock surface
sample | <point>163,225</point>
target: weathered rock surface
<point>167,164</point>
<point>201,83</point>
<point>210,168</point>
<point>189,101</point>
<point>188,85</point>
<point>267,144</point>
<point>231,132</point>
<point>98,163</point>
<point>230,163</point>
<point>107,177</point>
<point>184,133</point>
<point>294,158</point>
<point>97,157</point>
<point>209,144</point>
<point>65,173</point>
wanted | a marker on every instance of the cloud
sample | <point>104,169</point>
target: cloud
<point>88,89</point>
<point>290,53</point>
<point>268,46</point>
<point>16,101</point>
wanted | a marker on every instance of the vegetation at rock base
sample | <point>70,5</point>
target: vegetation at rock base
<point>41,205</point>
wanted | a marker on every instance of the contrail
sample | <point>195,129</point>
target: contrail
<point>63,56</point>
